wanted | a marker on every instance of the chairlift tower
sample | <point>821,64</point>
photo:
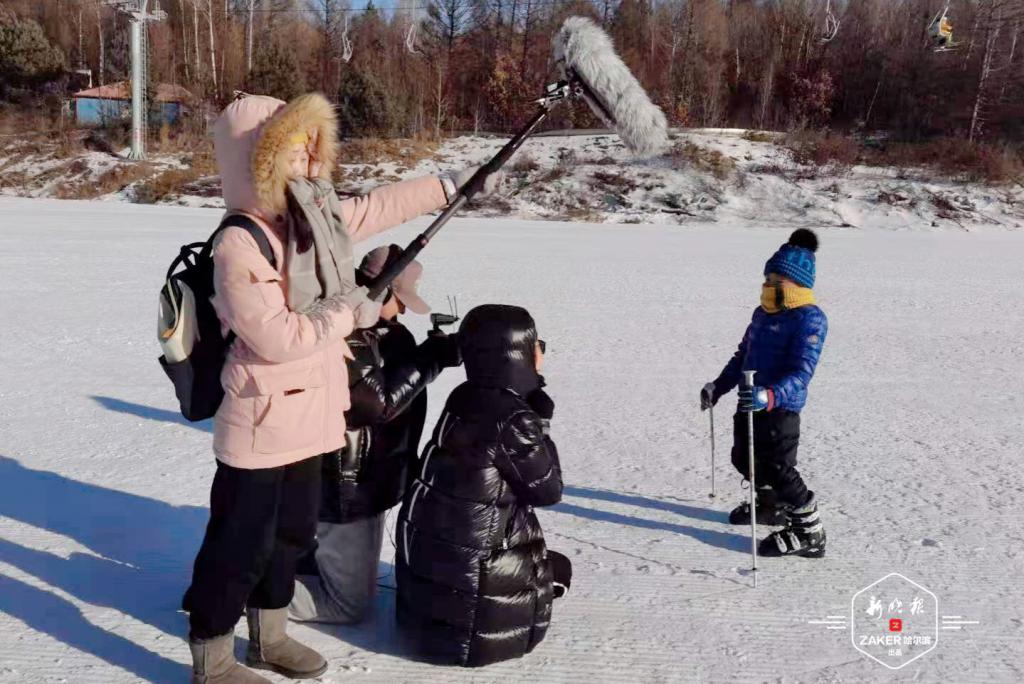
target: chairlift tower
<point>138,14</point>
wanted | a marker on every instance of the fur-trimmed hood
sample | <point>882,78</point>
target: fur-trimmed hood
<point>252,138</point>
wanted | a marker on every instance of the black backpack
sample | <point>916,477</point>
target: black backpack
<point>189,329</point>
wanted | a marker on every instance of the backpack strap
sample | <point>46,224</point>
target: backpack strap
<point>248,225</point>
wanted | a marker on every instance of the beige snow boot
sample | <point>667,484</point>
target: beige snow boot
<point>213,662</point>
<point>270,648</point>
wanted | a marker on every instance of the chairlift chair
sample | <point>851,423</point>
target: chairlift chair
<point>940,31</point>
<point>831,28</point>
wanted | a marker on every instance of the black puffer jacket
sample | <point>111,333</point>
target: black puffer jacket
<point>474,581</point>
<point>387,381</point>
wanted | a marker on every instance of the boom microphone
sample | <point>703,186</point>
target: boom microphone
<point>586,59</point>
<point>590,70</point>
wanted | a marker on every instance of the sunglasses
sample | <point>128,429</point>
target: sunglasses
<point>543,346</point>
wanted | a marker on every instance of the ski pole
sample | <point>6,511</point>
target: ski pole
<point>711,415</point>
<point>748,378</point>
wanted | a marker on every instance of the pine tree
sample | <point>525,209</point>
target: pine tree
<point>276,72</point>
<point>27,57</point>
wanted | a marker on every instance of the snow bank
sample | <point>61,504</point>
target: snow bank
<point>713,175</point>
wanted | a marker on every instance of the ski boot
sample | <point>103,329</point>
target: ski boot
<point>804,534</point>
<point>770,511</point>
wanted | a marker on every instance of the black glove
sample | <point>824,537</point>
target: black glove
<point>709,396</point>
<point>443,348</point>
<point>541,403</point>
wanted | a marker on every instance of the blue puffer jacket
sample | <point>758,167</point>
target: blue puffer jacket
<point>784,349</point>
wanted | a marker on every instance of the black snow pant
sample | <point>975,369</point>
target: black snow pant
<point>261,521</point>
<point>776,438</point>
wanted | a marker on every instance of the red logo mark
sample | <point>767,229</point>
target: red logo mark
<point>895,625</point>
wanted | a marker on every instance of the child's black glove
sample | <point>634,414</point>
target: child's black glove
<point>709,396</point>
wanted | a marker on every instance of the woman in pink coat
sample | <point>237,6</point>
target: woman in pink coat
<point>285,381</point>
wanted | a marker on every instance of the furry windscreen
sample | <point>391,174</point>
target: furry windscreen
<point>582,48</point>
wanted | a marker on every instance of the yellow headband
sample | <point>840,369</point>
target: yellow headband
<point>299,138</point>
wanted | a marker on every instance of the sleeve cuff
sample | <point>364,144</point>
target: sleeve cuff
<point>448,184</point>
<point>771,399</point>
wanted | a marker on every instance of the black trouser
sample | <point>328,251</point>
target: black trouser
<point>776,438</point>
<point>261,521</point>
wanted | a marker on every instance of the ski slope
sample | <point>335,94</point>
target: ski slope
<point>912,440</point>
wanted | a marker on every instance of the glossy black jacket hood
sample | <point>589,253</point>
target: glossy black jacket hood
<point>497,343</point>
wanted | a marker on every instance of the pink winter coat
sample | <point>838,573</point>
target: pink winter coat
<point>285,388</point>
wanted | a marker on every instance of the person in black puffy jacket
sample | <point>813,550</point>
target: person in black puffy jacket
<point>475,579</point>
<point>388,376</point>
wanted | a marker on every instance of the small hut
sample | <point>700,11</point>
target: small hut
<point>113,102</point>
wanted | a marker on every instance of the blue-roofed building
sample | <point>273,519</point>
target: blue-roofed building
<point>113,102</point>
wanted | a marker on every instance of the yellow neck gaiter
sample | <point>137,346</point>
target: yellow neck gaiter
<point>776,298</point>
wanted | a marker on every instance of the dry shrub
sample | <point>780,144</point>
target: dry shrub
<point>494,205</point>
<point>567,158</point>
<point>163,185</point>
<point>958,159</point>
<point>554,174</point>
<point>583,215</point>
<point>790,173</point>
<point>821,148</point>
<point>523,165</point>
<point>613,181</point>
<point>564,165</point>
<point>26,122</point>
<point>944,157</point>
<point>110,139</point>
<point>952,207</point>
<point>112,180</point>
<point>118,178</point>
<point>202,161</point>
<point>66,191</point>
<point>51,173</point>
<point>687,154</point>
<point>768,169</point>
<point>12,179</point>
<point>175,140</point>
<point>896,199</point>
<point>407,151</point>
<point>70,144</point>
<point>205,186</point>
<point>761,136</point>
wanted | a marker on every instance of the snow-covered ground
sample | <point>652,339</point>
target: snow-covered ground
<point>728,176</point>
<point>912,440</point>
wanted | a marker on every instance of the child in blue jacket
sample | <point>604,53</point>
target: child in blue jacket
<point>783,343</point>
